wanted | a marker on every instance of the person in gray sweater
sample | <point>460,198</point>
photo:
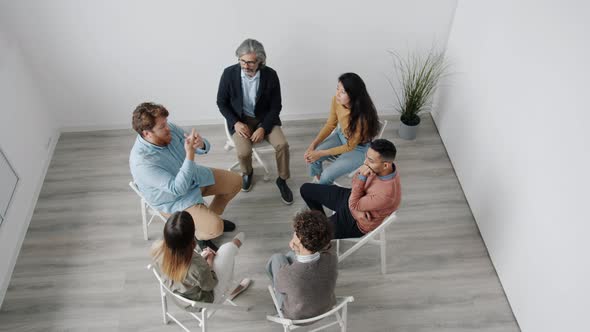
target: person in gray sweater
<point>304,279</point>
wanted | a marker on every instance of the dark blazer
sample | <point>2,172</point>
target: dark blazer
<point>268,98</point>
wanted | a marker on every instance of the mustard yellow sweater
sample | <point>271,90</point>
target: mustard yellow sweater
<point>339,115</point>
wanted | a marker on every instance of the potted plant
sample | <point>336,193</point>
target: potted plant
<point>418,76</point>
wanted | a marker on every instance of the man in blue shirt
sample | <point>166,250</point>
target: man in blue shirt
<point>249,97</point>
<point>163,167</point>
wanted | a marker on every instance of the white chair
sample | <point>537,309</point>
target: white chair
<point>263,147</point>
<point>207,309</point>
<point>369,238</point>
<point>382,125</point>
<point>146,209</point>
<point>289,324</point>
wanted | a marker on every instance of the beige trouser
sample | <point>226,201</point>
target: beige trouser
<point>208,223</point>
<point>276,138</point>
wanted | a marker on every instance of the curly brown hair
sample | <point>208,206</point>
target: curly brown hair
<point>145,115</point>
<point>313,230</point>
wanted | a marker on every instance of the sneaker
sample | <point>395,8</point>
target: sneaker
<point>228,226</point>
<point>244,284</point>
<point>286,194</point>
<point>240,237</point>
<point>207,244</point>
<point>247,182</point>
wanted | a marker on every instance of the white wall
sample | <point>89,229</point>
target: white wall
<point>514,119</point>
<point>27,137</point>
<point>97,60</point>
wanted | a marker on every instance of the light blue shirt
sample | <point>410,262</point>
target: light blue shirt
<point>249,90</point>
<point>167,180</point>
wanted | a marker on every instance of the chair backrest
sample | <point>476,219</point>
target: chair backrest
<point>192,303</point>
<point>230,141</point>
<point>382,125</point>
<point>168,290</point>
<point>134,187</point>
<point>341,302</point>
<point>154,210</point>
<point>369,236</point>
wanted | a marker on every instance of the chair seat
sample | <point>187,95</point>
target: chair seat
<point>257,150</point>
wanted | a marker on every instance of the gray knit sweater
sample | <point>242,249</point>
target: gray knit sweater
<point>308,287</point>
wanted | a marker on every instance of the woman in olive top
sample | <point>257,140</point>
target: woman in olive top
<point>202,278</point>
<point>351,125</point>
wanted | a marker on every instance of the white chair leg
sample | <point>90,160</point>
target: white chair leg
<point>228,146</point>
<point>204,320</point>
<point>344,318</point>
<point>383,252</point>
<point>337,248</point>
<point>144,219</point>
<point>164,305</point>
<point>339,319</point>
<point>233,166</point>
<point>266,171</point>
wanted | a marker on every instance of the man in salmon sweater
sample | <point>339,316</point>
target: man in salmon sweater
<point>375,194</point>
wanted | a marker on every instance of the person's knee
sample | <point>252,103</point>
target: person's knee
<point>244,153</point>
<point>305,189</point>
<point>227,247</point>
<point>327,177</point>
<point>235,182</point>
<point>283,146</point>
<point>217,228</point>
<point>278,260</point>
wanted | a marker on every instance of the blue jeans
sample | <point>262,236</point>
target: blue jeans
<point>275,263</point>
<point>343,164</point>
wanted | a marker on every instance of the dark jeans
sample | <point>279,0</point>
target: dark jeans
<point>335,198</point>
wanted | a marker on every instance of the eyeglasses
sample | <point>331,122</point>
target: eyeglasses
<point>248,63</point>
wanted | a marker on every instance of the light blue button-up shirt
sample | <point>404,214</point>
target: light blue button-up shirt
<point>167,180</point>
<point>249,90</point>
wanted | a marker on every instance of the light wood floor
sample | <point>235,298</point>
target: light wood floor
<point>82,264</point>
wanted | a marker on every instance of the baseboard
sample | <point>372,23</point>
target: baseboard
<point>205,121</point>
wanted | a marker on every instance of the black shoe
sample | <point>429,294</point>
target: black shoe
<point>207,243</point>
<point>247,182</point>
<point>286,194</point>
<point>228,226</point>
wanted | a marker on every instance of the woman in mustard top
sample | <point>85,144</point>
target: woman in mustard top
<point>351,125</point>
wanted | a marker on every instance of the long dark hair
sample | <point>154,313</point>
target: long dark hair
<point>363,115</point>
<point>176,250</point>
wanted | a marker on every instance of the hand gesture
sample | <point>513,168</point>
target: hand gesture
<point>365,171</point>
<point>198,141</point>
<point>242,129</point>
<point>209,255</point>
<point>313,156</point>
<point>257,136</point>
<point>310,148</point>
<point>189,142</point>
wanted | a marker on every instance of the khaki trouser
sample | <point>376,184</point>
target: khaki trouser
<point>208,223</point>
<point>276,138</point>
